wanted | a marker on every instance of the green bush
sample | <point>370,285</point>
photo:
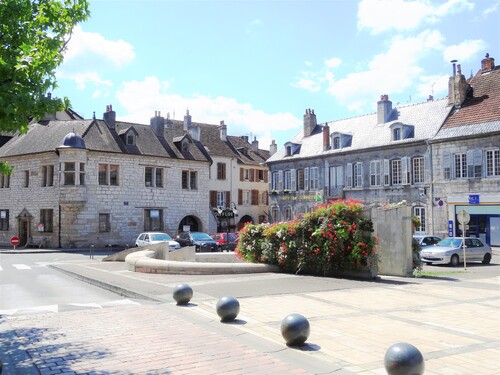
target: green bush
<point>335,236</point>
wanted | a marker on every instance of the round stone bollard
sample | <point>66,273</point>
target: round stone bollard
<point>295,329</point>
<point>227,308</point>
<point>404,359</point>
<point>182,294</point>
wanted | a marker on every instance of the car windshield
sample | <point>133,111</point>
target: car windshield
<point>450,242</point>
<point>160,237</point>
<point>197,236</point>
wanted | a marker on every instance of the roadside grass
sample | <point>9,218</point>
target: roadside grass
<point>419,273</point>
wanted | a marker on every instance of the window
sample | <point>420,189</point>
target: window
<point>461,165</point>
<point>396,134</point>
<point>26,179</point>
<point>153,177</point>
<point>82,173</point>
<point>336,143</point>
<point>246,174</point>
<point>275,214</point>
<point>108,174</point>
<point>396,172</point>
<point>69,173</point>
<point>153,220</point>
<point>221,171</point>
<point>300,179</point>
<point>418,170</point>
<point>46,218</point>
<point>247,197</point>
<point>492,163</point>
<point>314,178</point>
<point>47,175</point>
<point>189,180</point>
<point>263,197</point>
<point>288,180</point>
<point>287,213</point>
<point>375,173</point>
<point>4,181</point>
<point>420,213</point>
<point>221,199</point>
<point>130,140</point>
<point>4,220</point>
<point>261,174</point>
<point>104,223</point>
<point>357,174</point>
<point>274,180</point>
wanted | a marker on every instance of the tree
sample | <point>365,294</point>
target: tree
<point>34,35</point>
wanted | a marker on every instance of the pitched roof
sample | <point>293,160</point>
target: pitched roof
<point>426,117</point>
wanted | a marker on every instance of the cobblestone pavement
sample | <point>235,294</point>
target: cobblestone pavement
<point>454,322</point>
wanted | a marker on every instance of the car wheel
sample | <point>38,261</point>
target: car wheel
<point>487,258</point>
<point>454,261</point>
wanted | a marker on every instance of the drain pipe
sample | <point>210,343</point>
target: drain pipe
<point>431,185</point>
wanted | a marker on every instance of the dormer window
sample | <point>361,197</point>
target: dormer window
<point>129,136</point>
<point>130,139</point>
<point>289,151</point>
<point>292,148</point>
<point>402,131</point>
<point>340,140</point>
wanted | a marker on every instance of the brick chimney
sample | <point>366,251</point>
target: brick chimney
<point>110,117</point>
<point>195,132</point>
<point>158,124</point>
<point>273,148</point>
<point>223,131</point>
<point>457,86</point>
<point>326,137</point>
<point>384,109</point>
<point>309,122</point>
<point>187,121</point>
<point>488,63</point>
<point>255,144</point>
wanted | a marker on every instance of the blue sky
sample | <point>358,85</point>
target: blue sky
<point>257,65</point>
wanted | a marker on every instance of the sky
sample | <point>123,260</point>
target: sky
<point>258,65</point>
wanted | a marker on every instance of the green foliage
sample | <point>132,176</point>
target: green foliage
<point>33,35</point>
<point>333,237</point>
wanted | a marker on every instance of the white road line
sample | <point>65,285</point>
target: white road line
<point>21,266</point>
<point>1,269</point>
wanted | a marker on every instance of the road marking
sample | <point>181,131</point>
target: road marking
<point>21,266</point>
<point>1,269</point>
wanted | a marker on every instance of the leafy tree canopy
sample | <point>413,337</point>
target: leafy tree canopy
<point>33,35</point>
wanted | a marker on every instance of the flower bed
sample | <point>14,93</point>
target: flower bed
<point>334,239</point>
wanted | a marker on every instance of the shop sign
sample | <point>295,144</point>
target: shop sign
<point>473,198</point>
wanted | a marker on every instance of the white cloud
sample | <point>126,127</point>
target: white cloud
<point>307,84</point>
<point>253,25</point>
<point>142,98</point>
<point>84,78</point>
<point>392,72</point>
<point>382,15</point>
<point>492,9</point>
<point>118,53</point>
<point>334,62</point>
<point>464,51</point>
<point>435,85</point>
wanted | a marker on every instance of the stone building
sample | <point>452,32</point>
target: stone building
<point>80,182</point>
<point>398,154</point>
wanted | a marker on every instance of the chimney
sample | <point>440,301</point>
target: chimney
<point>245,138</point>
<point>430,98</point>
<point>384,109</point>
<point>223,131</point>
<point>273,148</point>
<point>326,137</point>
<point>488,63</point>
<point>255,144</point>
<point>187,121</point>
<point>110,117</point>
<point>457,86</point>
<point>195,132</point>
<point>309,122</point>
<point>158,124</point>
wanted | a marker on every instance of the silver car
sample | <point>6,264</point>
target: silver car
<point>450,251</point>
<point>425,240</point>
<point>151,238</point>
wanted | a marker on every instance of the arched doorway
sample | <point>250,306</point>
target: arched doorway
<point>24,227</point>
<point>192,222</point>
<point>245,219</point>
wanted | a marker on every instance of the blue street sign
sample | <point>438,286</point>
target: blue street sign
<point>450,228</point>
<point>473,198</point>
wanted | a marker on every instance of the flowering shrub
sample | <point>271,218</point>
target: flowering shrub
<point>335,236</point>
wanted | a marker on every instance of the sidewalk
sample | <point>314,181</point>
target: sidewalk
<point>454,322</point>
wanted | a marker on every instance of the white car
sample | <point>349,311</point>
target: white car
<point>450,251</point>
<point>151,238</point>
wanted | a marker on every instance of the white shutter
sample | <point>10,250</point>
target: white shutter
<point>340,176</point>
<point>269,180</point>
<point>362,175</point>
<point>404,170</point>
<point>446,165</point>
<point>293,179</point>
<point>280,180</point>
<point>306,178</point>
<point>427,169</point>
<point>348,175</point>
<point>387,172</point>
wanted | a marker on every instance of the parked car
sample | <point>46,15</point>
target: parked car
<point>202,242</point>
<point>425,240</point>
<point>221,239</point>
<point>151,238</point>
<point>449,250</point>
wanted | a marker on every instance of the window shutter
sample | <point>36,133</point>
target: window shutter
<point>348,175</point>
<point>470,163</point>
<point>228,199</point>
<point>446,165</point>
<point>327,176</point>
<point>240,197</point>
<point>280,180</point>
<point>404,170</point>
<point>252,175</point>
<point>387,172</point>
<point>427,169</point>
<point>266,177</point>
<point>267,197</point>
<point>293,179</point>
<point>306,178</point>
<point>241,174</point>
<point>362,173</point>
<point>213,198</point>
<point>255,197</point>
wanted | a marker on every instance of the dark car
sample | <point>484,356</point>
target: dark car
<point>224,244</point>
<point>202,242</point>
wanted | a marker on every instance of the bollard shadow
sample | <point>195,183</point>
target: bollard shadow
<point>190,304</point>
<point>235,322</point>
<point>306,347</point>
